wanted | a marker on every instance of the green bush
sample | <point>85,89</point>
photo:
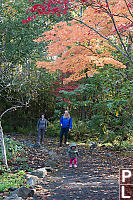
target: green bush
<point>8,180</point>
<point>8,128</point>
<point>53,129</point>
<point>126,144</point>
<point>12,147</point>
<point>80,131</point>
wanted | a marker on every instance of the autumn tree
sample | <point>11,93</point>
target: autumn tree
<point>108,20</point>
<point>79,54</point>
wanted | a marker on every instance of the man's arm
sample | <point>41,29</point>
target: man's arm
<point>70,123</point>
<point>61,121</point>
<point>45,124</point>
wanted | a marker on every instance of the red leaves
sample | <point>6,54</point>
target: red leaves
<point>123,27</point>
<point>24,21</point>
<point>47,8</point>
<point>29,19</point>
<point>59,87</point>
<point>129,5</point>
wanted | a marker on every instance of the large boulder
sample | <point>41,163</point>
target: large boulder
<point>40,173</point>
<point>32,180</point>
<point>13,197</point>
<point>24,192</point>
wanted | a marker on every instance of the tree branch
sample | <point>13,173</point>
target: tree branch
<point>125,54</point>
<point>118,32</point>
<point>10,109</point>
<point>128,8</point>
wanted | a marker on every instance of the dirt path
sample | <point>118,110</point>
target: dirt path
<point>96,177</point>
<point>87,182</point>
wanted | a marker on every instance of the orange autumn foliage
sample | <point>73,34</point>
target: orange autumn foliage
<point>78,59</point>
<point>76,36</point>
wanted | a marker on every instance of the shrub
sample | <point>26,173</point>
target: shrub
<point>53,129</point>
<point>80,131</point>
<point>8,180</point>
<point>12,148</point>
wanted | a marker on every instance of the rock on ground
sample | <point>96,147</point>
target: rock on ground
<point>51,163</point>
<point>40,173</point>
<point>24,192</point>
<point>32,180</point>
<point>13,197</point>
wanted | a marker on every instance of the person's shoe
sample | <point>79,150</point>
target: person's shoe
<point>70,165</point>
<point>75,166</point>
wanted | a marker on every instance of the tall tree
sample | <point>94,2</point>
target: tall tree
<point>103,18</point>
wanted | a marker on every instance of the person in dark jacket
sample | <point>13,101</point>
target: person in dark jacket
<point>66,125</point>
<point>41,128</point>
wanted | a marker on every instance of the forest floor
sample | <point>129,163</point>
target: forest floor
<point>95,178</point>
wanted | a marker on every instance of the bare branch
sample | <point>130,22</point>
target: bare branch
<point>10,109</point>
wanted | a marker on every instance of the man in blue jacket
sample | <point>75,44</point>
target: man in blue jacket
<point>66,125</point>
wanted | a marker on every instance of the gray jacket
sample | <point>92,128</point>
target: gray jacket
<point>42,124</point>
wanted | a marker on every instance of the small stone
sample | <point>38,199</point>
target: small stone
<point>108,155</point>
<point>51,163</point>
<point>52,155</point>
<point>51,152</point>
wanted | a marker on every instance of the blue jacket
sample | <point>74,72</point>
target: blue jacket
<point>66,122</point>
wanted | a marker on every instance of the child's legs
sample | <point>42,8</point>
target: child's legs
<point>71,160</point>
<point>75,161</point>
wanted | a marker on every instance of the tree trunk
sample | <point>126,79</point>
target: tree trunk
<point>3,147</point>
<point>83,117</point>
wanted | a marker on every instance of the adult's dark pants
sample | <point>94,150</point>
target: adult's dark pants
<point>63,131</point>
<point>41,132</point>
